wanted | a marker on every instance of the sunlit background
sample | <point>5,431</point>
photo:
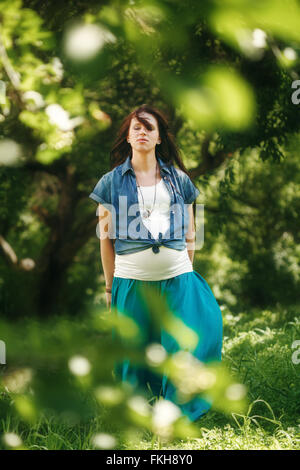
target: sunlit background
<point>224,73</point>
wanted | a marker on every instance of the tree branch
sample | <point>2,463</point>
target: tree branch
<point>25,264</point>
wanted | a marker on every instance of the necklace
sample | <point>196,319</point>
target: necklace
<point>146,212</point>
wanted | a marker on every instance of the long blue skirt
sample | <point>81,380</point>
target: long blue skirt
<point>191,299</point>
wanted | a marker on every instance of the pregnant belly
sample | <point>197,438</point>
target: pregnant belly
<point>146,265</point>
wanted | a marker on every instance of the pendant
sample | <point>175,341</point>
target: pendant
<point>146,214</point>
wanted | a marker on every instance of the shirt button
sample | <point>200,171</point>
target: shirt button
<point>155,249</point>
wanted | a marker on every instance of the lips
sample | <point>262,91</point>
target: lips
<point>142,140</point>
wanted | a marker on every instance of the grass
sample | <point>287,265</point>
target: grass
<point>257,347</point>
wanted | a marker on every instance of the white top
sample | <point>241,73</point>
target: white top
<point>146,265</point>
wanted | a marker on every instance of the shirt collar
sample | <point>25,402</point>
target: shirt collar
<point>126,166</point>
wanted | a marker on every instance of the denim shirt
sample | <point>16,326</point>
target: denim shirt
<point>117,192</point>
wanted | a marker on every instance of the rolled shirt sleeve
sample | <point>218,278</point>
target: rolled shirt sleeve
<point>102,191</point>
<point>190,191</point>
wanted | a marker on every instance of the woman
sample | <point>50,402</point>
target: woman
<point>146,202</point>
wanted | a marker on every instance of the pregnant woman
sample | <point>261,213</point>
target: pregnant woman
<point>147,204</point>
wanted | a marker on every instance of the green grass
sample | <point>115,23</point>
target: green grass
<point>258,348</point>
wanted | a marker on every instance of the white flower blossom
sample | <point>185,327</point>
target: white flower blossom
<point>165,413</point>
<point>104,441</point>
<point>85,41</point>
<point>79,365</point>
<point>60,117</point>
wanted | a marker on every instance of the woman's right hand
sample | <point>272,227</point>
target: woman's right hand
<point>108,300</point>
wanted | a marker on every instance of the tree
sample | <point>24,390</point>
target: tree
<point>221,71</point>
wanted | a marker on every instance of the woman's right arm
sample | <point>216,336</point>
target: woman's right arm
<point>107,251</point>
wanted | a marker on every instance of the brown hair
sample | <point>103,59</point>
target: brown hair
<point>167,150</point>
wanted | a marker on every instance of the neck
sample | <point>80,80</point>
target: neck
<point>142,162</point>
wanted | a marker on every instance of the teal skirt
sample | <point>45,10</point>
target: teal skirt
<point>191,299</point>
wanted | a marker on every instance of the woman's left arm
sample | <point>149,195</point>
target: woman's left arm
<point>190,235</point>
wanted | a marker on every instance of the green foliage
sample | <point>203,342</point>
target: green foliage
<point>62,370</point>
<point>257,348</point>
<point>222,72</point>
<point>252,209</point>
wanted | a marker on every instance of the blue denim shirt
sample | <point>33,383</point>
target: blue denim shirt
<point>117,192</point>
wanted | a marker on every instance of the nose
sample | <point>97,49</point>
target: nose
<point>142,135</point>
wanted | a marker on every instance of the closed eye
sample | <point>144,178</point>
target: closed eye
<point>151,129</point>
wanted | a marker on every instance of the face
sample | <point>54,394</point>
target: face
<point>140,137</point>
